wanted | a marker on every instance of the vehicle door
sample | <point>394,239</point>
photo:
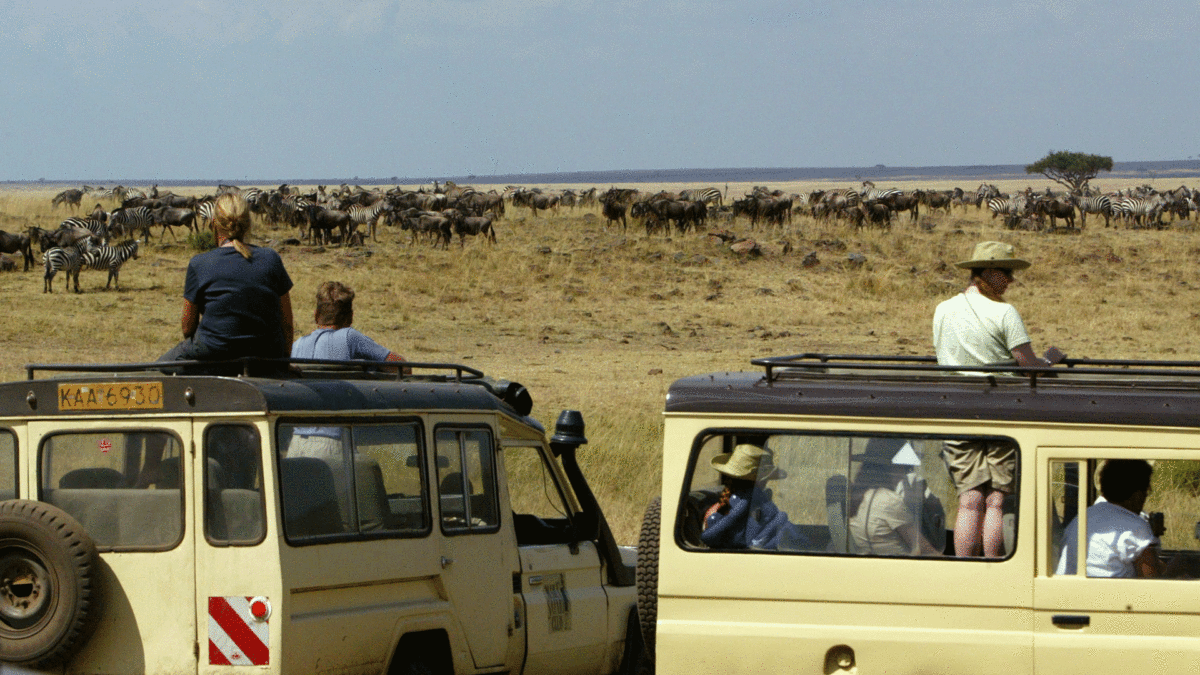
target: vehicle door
<point>479,557</point>
<point>566,608</point>
<point>237,581</point>
<point>1089,624</point>
<point>127,482</point>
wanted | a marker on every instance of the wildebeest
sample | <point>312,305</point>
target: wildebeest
<point>168,217</point>
<point>17,243</point>
<point>473,225</point>
<point>322,222</point>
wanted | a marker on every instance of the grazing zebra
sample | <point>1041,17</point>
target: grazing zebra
<point>1100,204</point>
<point>708,195</point>
<point>65,259</point>
<point>131,221</point>
<point>367,216</point>
<point>97,227</point>
<point>109,258</point>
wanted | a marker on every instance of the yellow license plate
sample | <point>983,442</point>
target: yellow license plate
<point>111,396</point>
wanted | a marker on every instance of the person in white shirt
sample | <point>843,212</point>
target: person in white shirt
<point>977,328</point>
<point>1120,542</point>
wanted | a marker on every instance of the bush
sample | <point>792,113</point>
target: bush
<point>201,241</point>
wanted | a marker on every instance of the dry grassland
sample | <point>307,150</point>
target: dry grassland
<point>600,320</point>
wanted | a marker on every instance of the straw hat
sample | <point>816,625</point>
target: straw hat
<point>994,254</point>
<point>748,462</point>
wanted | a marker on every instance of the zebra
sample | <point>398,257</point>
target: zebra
<point>205,211</point>
<point>1007,206</point>
<point>708,195</point>
<point>1100,204</point>
<point>131,221</point>
<point>97,227</point>
<point>870,193</point>
<point>66,259</point>
<point>367,216</point>
<point>1140,210</point>
<point>110,258</point>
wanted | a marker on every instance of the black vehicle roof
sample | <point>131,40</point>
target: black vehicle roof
<point>336,387</point>
<point>1096,392</point>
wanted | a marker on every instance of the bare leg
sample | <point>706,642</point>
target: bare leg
<point>993,524</point>
<point>968,526</point>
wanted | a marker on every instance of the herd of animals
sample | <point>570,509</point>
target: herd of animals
<point>352,214</point>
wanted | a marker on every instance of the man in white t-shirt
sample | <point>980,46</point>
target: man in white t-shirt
<point>977,328</point>
<point>1121,543</point>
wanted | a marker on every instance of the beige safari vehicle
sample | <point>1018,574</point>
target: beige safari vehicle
<point>844,559</point>
<point>332,520</point>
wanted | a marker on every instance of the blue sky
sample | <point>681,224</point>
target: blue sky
<point>245,90</point>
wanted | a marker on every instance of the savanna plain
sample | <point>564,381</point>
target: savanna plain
<point>593,318</point>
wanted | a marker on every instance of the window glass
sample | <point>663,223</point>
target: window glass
<point>466,479</point>
<point>540,515</point>
<point>855,495</point>
<point>124,487</point>
<point>8,465</point>
<point>1141,517</point>
<point>234,508</point>
<point>364,479</point>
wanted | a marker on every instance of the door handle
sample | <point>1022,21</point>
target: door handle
<point>1071,620</point>
<point>446,562</point>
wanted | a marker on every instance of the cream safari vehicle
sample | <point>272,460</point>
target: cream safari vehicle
<point>329,521</point>
<point>845,560</point>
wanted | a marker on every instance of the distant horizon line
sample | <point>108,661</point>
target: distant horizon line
<point>1139,169</point>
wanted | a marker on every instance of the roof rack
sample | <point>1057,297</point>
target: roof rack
<point>255,366</point>
<point>808,364</point>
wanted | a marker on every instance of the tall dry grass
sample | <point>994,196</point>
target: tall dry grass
<point>592,318</point>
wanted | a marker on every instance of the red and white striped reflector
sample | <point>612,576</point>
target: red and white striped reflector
<point>238,631</point>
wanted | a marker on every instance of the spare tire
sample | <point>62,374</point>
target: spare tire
<point>49,592</point>
<point>647,574</point>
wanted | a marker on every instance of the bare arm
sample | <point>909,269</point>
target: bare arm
<point>1027,359</point>
<point>285,308</point>
<point>1147,565</point>
<point>191,318</point>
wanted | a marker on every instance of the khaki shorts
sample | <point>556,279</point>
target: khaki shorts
<point>975,463</point>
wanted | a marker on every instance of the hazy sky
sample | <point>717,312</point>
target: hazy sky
<point>243,90</point>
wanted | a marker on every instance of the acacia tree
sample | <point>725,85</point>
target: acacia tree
<point>1072,169</point>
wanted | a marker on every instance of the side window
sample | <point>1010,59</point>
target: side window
<point>122,486</point>
<point>364,480</point>
<point>852,495</point>
<point>466,480</point>
<point>1140,517</point>
<point>8,465</point>
<point>234,508</point>
<point>540,514</point>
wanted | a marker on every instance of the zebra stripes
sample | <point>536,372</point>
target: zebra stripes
<point>131,221</point>
<point>1099,204</point>
<point>366,216</point>
<point>1006,206</point>
<point>97,227</point>
<point>110,258</point>
<point>708,195</point>
<point>63,259</point>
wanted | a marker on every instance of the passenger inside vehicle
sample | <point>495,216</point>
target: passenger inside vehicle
<point>883,523</point>
<point>745,515</point>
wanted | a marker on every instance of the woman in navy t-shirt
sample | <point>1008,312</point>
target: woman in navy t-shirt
<point>236,298</point>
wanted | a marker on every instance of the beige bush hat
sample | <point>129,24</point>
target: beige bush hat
<point>994,254</point>
<point>748,462</point>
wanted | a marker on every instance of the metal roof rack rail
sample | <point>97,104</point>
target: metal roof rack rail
<point>810,363</point>
<point>252,366</point>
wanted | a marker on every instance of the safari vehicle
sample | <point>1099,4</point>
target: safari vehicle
<point>183,523</point>
<point>825,598</point>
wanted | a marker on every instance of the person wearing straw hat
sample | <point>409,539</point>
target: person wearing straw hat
<point>883,522</point>
<point>977,328</point>
<point>745,515</point>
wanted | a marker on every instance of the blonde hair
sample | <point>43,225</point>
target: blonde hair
<point>231,220</point>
